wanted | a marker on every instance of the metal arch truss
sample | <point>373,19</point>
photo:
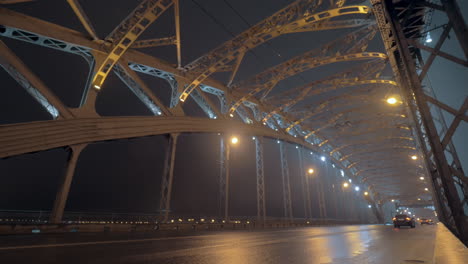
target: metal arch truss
<point>295,16</point>
<point>261,199</point>
<point>448,179</point>
<point>127,33</point>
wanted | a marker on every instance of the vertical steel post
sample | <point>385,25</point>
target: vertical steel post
<point>287,206</point>
<point>177,28</point>
<point>321,197</point>
<point>303,174</point>
<point>261,212</point>
<point>224,179</point>
<point>64,186</point>
<point>167,177</point>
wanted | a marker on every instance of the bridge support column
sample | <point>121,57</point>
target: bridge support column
<point>168,177</point>
<point>321,197</point>
<point>305,184</point>
<point>65,183</point>
<point>286,183</point>
<point>261,212</point>
<point>225,150</point>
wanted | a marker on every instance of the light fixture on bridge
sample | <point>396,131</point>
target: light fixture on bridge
<point>297,147</point>
<point>342,173</point>
<point>428,37</point>
<point>369,206</point>
<point>419,199</point>
<point>310,171</point>
<point>356,188</point>
<point>322,158</point>
<point>231,115</point>
<point>234,140</point>
<point>426,189</point>
<point>414,157</point>
<point>392,100</point>
<point>345,184</point>
<point>421,178</point>
<point>366,193</point>
<point>350,181</point>
<point>393,200</point>
<point>253,138</point>
<point>333,165</point>
<point>277,141</point>
<point>97,87</point>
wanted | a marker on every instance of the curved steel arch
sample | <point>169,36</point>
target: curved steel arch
<point>344,83</point>
<point>364,142</point>
<point>375,150</point>
<point>296,15</point>
<point>321,62</point>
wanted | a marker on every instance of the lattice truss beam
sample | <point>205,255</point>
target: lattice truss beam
<point>326,115</point>
<point>404,28</point>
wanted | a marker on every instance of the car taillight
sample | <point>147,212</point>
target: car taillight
<point>407,218</point>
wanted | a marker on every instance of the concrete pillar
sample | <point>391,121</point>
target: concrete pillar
<point>65,183</point>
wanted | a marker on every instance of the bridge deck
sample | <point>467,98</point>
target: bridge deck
<point>344,244</point>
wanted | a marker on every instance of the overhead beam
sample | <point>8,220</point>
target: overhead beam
<point>294,16</point>
<point>80,13</point>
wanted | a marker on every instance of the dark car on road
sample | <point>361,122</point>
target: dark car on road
<point>403,220</point>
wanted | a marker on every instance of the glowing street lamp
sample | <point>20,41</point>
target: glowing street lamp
<point>234,140</point>
<point>345,184</point>
<point>414,157</point>
<point>366,193</point>
<point>392,100</point>
<point>421,178</point>
<point>393,200</point>
<point>426,189</point>
<point>310,171</point>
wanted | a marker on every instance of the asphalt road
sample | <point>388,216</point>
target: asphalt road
<point>345,244</point>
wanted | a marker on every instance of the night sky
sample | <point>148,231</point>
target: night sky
<point>125,175</point>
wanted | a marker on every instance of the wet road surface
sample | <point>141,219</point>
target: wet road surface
<point>343,244</point>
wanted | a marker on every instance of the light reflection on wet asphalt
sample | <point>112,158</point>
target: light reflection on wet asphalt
<point>342,244</point>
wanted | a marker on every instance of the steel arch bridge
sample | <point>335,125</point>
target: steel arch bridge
<point>343,116</point>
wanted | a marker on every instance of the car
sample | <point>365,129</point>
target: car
<point>403,220</point>
<point>425,221</point>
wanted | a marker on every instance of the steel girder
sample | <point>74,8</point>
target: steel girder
<point>335,51</point>
<point>125,34</point>
<point>449,205</point>
<point>168,177</point>
<point>287,203</point>
<point>297,15</point>
<point>334,85</point>
<point>261,199</point>
<point>131,57</point>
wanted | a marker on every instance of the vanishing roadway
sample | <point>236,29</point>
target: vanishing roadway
<point>377,244</point>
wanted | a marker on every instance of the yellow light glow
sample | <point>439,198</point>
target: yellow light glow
<point>419,199</point>
<point>345,185</point>
<point>234,140</point>
<point>392,100</point>
<point>426,189</point>
<point>414,157</point>
<point>366,193</point>
<point>310,171</point>
<point>393,200</point>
